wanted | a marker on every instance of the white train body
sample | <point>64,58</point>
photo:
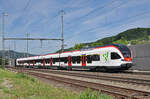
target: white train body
<point>116,57</point>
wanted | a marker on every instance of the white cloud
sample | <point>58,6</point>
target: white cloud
<point>42,19</point>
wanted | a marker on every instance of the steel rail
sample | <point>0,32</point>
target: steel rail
<point>122,93</point>
<point>118,92</point>
<point>118,79</point>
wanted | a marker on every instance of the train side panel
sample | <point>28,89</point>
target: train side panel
<point>109,57</point>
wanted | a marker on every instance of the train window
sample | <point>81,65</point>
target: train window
<point>89,58</point>
<point>19,62</point>
<point>40,61</point>
<point>54,60</point>
<point>25,62</point>
<point>47,61</point>
<point>74,59</point>
<point>36,61</point>
<point>124,49</point>
<point>78,59</point>
<point>57,59</point>
<point>66,60</point>
<point>96,57</point>
<point>115,55</point>
<point>61,59</point>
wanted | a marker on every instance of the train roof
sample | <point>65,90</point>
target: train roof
<point>85,49</point>
<point>117,45</point>
<point>89,48</point>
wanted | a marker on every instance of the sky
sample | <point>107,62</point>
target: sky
<point>84,21</point>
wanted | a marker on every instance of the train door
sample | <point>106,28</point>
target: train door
<point>83,59</point>
<point>29,63</point>
<point>33,63</point>
<point>69,61</point>
<point>43,62</point>
<point>22,63</point>
<point>51,62</point>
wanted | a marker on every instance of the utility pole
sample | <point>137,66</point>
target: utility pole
<point>27,45</point>
<point>9,52</point>
<point>14,49</point>
<point>24,53</point>
<point>41,43</point>
<point>9,56</point>
<point>3,41</point>
<point>62,35</point>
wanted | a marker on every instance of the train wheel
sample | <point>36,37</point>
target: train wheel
<point>101,69</point>
<point>69,68</point>
<point>58,68</point>
<point>93,69</point>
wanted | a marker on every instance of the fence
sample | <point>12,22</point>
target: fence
<point>141,56</point>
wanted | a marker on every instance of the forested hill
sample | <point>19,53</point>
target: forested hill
<point>14,54</point>
<point>131,36</point>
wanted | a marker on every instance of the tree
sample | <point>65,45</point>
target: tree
<point>78,46</point>
<point>121,41</point>
<point>96,44</point>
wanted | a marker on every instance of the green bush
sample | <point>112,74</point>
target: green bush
<point>78,46</point>
<point>24,76</point>
<point>88,94</point>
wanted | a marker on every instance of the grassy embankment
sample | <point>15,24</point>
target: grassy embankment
<point>21,86</point>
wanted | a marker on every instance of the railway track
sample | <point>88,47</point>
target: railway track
<point>118,92</point>
<point>134,81</point>
<point>144,82</point>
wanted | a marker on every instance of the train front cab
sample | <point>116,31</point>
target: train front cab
<point>126,62</point>
<point>119,58</point>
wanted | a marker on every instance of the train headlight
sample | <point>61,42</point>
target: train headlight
<point>122,60</point>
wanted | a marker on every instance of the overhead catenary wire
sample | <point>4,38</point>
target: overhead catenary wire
<point>102,7</point>
<point>125,19</point>
<point>128,18</point>
<point>98,8</point>
<point>26,6</point>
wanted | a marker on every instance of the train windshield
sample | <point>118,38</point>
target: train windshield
<point>125,50</point>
